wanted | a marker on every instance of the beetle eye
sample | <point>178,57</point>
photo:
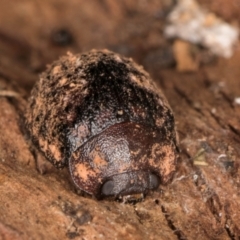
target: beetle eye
<point>154,181</point>
<point>107,187</point>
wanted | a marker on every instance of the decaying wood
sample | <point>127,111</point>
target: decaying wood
<point>203,199</point>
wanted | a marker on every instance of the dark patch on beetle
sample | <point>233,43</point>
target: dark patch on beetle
<point>103,116</point>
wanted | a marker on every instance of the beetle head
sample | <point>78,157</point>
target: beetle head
<point>125,159</point>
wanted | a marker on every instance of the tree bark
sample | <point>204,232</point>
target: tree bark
<point>203,199</point>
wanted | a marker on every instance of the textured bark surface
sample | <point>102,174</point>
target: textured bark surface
<point>203,199</point>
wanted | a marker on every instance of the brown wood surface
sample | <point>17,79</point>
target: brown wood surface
<point>203,199</point>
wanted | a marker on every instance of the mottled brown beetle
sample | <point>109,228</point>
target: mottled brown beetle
<point>102,115</point>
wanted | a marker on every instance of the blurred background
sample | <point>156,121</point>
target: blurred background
<point>34,33</point>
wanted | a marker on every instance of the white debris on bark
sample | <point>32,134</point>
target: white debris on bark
<point>190,22</point>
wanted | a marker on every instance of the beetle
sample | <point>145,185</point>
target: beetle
<point>102,115</point>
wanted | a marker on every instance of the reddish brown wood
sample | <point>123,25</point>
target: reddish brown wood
<point>203,200</point>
